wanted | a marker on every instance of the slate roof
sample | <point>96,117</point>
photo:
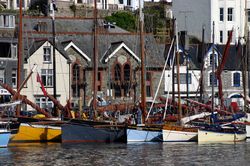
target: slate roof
<point>233,61</point>
<point>83,38</point>
<point>38,43</point>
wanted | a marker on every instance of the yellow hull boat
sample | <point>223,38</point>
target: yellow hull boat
<point>37,132</point>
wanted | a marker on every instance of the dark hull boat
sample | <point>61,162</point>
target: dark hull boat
<point>89,131</point>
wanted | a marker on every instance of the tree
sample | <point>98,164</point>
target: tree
<point>123,19</point>
<point>41,5</point>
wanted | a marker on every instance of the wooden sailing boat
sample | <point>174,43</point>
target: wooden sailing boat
<point>143,132</point>
<point>35,129</point>
<point>92,130</point>
<point>215,132</point>
<point>178,132</point>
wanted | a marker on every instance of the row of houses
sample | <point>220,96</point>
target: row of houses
<point>119,63</point>
<point>101,4</point>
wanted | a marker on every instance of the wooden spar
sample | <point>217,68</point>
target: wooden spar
<point>20,47</point>
<point>202,63</point>
<point>25,100</point>
<point>143,73</point>
<point>213,77</point>
<point>54,56</point>
<point>221,66</point>
<point>65,108</point>
<point>95,56</point>
<point>178,74</point>
<point>24,82</point>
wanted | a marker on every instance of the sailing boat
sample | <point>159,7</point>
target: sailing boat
<point>91,130</point>
<point>143,132</point>
<point>5,134</point>
<point>178,132</point>
<point>215,132</point>
<point>5,125</point>
<point>34,129</point>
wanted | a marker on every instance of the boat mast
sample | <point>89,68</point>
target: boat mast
<point>202,63</point>
<point>143,87</point>
<point>213,74</point>
<point>178,73</point>
<point>95,56</point>
<point>245,59</point>
<point>54,55</point>
<point>20,46</point>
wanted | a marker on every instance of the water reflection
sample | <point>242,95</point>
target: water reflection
<point>126,154</point>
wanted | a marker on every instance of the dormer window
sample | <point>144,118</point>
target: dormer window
<point>215,60</point>
<point>46,54</point>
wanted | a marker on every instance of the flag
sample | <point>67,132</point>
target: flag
<point>38,79</point>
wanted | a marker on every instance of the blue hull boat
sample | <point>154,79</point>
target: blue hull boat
<point>4,138</point>
<point>143,134</point>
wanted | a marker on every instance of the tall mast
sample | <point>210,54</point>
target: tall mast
<point>202,63</point>
<point>143,87</point>
<point>95,65</point>
<point>54,55</point>
<point>178,73</point>
<point>20,47</point>
<point>245,58</point>
<point>213,73</point>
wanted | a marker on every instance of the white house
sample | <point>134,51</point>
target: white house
<point>193,15</point>
<point>41,53</point>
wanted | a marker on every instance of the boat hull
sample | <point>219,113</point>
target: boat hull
<point>143,135</point>
<point>76,133</point>
<point>214,136</point>
<point>37,133</point>
<point>175,133</point>
<point>4,138</point>
<point>179,136</point>
<point>248,130</point>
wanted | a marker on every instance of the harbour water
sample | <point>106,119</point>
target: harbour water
<point>166,154</point>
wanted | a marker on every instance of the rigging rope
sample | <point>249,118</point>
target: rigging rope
<point>162,74</point>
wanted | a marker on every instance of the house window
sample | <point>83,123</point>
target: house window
<point>211,60</point>
<point>41,26</point>
<point>14,78</point>
<point>221,14</point>
<point>117,76</point>
<point>117,72</point>
<point>47,77</point>
<point>148,84</point>
<point>2,76</point>
<point>44,102</point>
<point>46,54</point>
<point>14,51</point>
<point>211,76</point>
<point>248,15</point>
<point>7,21</point>
<point>126,72</point>
<point>236,79</point>
<point>99,79</point>
<point>221,36</point>
<point>183,78</point>
<point>230,14</point>
<point>76,73</point>
<point>17,3</point>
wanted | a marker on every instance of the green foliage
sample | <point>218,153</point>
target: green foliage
<point>123,19</point>
<point>40,5</point>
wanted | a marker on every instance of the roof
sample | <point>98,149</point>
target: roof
<point>38,43</point>
<point>83,38</point>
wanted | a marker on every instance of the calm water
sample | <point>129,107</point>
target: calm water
<point>126,154</point>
